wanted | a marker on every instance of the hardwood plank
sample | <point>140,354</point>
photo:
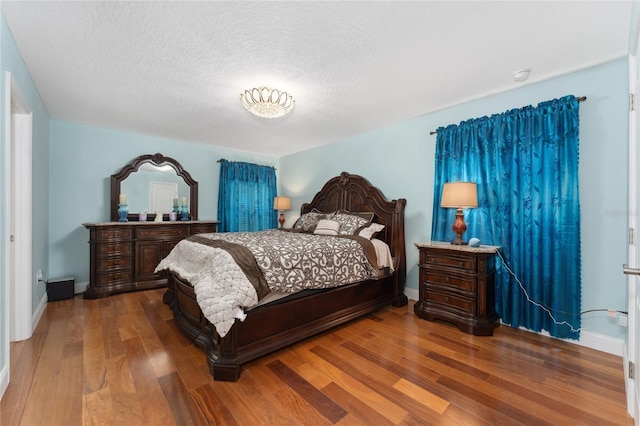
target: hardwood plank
<point>97,409</point>
<point>212,407</point>
<point>114,361</point>
<point>325,406</point>
<point>421,396</point>
<point>355,406</point>
<point>368,396</point>
<point>150,395</point>
<point>185,410</point>
<point>124,399</point>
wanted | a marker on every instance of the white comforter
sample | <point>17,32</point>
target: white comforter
<point>222,289</point>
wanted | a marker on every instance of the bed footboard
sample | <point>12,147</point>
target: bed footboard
<point>274,326</point>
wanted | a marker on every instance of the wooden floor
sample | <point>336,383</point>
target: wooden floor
<point>122,361</point>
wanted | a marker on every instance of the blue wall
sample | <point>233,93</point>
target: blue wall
<point>400,160</point>
<point>11,61</point>
<point>83,158</point>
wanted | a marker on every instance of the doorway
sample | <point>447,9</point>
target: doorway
<point>18,199</point>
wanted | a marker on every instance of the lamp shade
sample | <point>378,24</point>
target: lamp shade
<point>459,195</point>
<point>281,203</point>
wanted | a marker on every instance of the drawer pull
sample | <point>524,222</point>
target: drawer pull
<point>447,279</point>
<point>460,263</point>
<point>446,299</point>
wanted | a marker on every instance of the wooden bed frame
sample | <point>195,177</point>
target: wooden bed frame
<point>281,323</point>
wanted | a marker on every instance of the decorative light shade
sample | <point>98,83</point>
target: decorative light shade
<point>459,195</point>
<point>282,204</point>
<point>266,102</point>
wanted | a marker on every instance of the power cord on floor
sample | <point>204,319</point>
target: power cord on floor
<point>533,302</point>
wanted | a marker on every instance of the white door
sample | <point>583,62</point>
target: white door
<point>161,195</point>
<point>631,351</point>
<point>631,354</point>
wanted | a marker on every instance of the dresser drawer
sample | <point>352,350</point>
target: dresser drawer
<point>117,233</point>
<point>115,277</point>
<point>452,302</point>
<point>202,229</point>
<point>451,281</point>
<point>109,264</point>
<point>121,249</point>
<point>162,233</point>
<point>460,262</point>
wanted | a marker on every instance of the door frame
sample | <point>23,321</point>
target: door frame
<point>631,355</point>
<point>18,143</point>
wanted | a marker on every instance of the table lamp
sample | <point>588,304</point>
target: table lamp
<point>282,204</point>
<point>459,195</point>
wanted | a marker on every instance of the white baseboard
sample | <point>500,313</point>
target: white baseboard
<point>411,293</point>
<point>80,287</point>
<point>600,342</point>
<point>4,380</point>
<point>588,339</point>
<point>38,313</point>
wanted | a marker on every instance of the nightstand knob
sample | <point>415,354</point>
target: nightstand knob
<point>446,279</point>
<point>460,263</point>
<point>446,298</point>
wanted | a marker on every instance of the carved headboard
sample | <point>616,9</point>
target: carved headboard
<point>356,194</point>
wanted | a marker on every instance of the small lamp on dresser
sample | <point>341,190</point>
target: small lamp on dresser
<point>459,195</point>
<point>282,204</point>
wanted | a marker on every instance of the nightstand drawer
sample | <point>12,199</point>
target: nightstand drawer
<point>449,260</point>
<point>450,281</point>
<point>449,301</point>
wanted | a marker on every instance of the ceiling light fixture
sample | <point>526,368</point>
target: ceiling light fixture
<point>266,102</point>
<point>521,75</point>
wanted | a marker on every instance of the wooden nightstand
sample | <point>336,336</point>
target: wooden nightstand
<point>457,285</point>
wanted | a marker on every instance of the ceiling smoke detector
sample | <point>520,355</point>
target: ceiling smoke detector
<point>521,75</point>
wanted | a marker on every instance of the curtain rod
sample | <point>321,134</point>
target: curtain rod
<point>580,99</point>
<point>251,163</point>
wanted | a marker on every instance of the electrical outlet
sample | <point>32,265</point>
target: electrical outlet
<point>39,275</point>
<point>622,320</point>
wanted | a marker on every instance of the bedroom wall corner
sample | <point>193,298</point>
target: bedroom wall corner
<point>399,159</point>
<point>94,154</point>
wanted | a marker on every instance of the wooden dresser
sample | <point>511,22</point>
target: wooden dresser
<point>457,285</point>
<point>124,254</point>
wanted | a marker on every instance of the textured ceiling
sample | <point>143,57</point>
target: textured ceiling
<point>176,69</point>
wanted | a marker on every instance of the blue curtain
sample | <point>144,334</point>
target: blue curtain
<point>245,197</point>
<point>525,164</point>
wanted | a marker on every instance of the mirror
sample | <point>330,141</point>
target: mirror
<point>151,183</point>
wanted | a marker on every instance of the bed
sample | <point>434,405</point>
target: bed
<point>275,325</point>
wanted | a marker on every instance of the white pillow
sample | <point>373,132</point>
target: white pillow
<point>327,227</point>
<point>370,230</point>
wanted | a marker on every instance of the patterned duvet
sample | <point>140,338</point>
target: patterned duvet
<point>289,262</point>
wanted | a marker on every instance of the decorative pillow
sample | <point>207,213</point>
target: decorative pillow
<point>348,222</point>
<point>369,230</point>
<point>327,227</point>
<point>308,221</point>
<point>368,216</point>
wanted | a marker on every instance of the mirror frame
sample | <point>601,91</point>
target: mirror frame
<point>156,160</point>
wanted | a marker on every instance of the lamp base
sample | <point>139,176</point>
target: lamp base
<point>459,227</point>
<point>281,220</point>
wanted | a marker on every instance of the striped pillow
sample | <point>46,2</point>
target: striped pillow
<point>327,227</point>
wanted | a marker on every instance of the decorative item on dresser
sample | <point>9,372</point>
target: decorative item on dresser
<point>457,285</point>
<point>123,255</point>
<point>125,252</point>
